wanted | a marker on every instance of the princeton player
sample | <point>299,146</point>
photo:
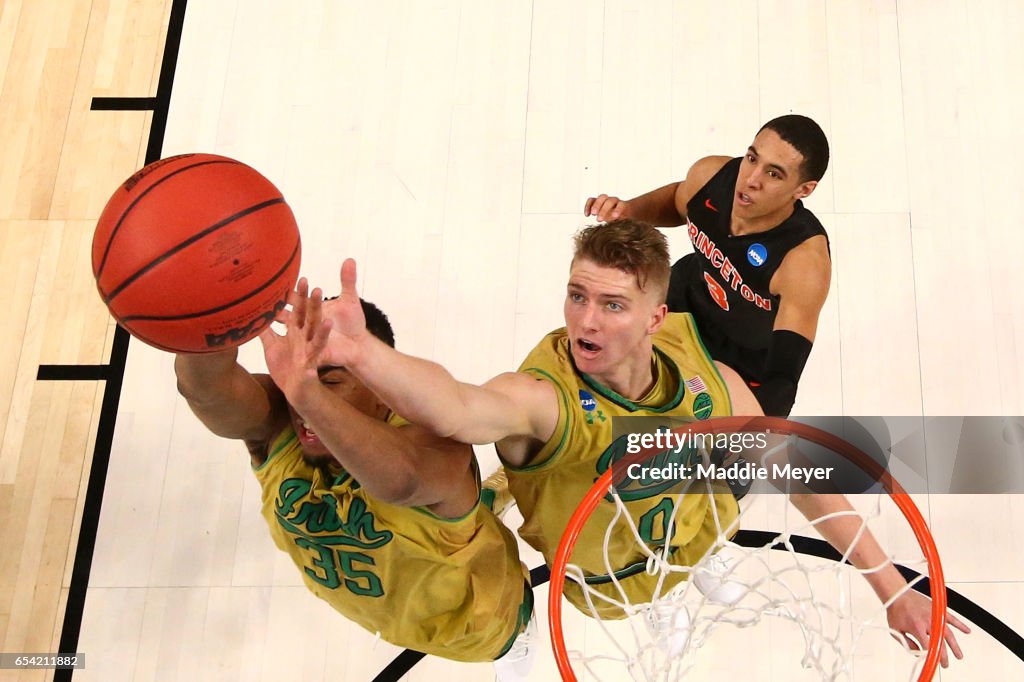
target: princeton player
<point>759,273</point>
<point>620,353</point>
<point>382,517</point>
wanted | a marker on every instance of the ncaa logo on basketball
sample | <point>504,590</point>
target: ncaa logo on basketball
<point>587,401</point>
<point>757,255</point>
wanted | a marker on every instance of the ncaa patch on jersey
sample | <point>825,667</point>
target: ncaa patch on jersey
<point>702,406</point>
<point>757,255</point>
<point>587,401</point>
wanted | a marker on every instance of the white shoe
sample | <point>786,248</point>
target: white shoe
<point>712,583</point>
<point>517,662</point>
<point>670,625</point>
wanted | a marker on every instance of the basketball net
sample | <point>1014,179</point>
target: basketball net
<point>820,613</point>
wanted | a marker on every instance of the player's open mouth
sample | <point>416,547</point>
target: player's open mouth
<point>589,348</point>
<point>743,199</point>
<point>306,434</point>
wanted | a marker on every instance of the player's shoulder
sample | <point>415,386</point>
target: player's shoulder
<point>805,269</point>
<point>706,167</point>
<point>551,352</point>
<point>813,252</point>
<point>699,174</point>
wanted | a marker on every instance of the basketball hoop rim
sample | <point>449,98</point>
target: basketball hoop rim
<point>781,426</point>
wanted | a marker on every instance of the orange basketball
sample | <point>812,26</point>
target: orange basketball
<point>195,253</point>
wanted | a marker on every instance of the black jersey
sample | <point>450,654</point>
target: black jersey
<point>729,291</point>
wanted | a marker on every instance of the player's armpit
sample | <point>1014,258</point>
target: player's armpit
<point>227,399</point>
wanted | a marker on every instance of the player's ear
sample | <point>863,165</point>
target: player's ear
<point>805,189</point>
<point>657,319</point>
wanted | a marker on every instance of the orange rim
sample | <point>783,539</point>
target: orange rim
<point>738,425</point>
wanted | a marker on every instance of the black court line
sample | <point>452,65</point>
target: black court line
<point>984,619</point>
<point>72,626</point>
<point>73,373</point>
<point>123,104</point>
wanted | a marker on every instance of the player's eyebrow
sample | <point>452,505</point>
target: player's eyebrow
<point>776,166</point>
<point>573,287</point>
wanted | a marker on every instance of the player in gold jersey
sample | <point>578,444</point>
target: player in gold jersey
<point>383,518</point>
<point>619,353</point>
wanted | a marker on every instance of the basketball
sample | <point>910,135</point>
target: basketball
<point>195,253</point>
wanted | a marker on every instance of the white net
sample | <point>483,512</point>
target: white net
<point>781,602</point>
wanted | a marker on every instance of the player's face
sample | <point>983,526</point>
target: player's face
<point>341,382</point>
<point>769,180</point>
<point>608,316</point>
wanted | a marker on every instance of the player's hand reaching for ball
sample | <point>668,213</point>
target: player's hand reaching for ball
<point>348,322</point>
<point>911,615</point>
<point>606,208</point>
<point>293,358</point>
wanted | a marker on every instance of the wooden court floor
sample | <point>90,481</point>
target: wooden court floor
<point>60,160</point>
<point>478,133</point>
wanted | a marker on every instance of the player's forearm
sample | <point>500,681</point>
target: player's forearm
<point>374,453</point>
<point>222,394</point>
<point>657,207</point>
<point>842,531</point>
<point>421,391</point>
<point>205,375</point>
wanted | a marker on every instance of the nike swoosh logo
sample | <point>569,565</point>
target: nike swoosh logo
<point>707,202</point>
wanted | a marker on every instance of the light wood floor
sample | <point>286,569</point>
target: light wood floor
<point>449,146</point>
<point>59,163</point>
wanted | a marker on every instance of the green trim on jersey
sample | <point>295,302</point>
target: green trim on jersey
<point>622,401</point>
<point>278,445</point>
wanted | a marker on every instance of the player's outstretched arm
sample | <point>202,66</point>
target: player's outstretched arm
<point>662,207</point>
<point>401,465</point>
<point>226,398</point>
<point>425,393</point>
<point>910,612</point>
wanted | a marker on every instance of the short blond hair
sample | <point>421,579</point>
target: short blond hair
<point>632,246</point>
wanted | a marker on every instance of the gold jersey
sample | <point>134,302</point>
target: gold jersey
<point>549,489</point>
<point>449,587</point>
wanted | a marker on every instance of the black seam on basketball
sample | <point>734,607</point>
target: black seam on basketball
<point>191,240</point>
<point>189,316</point>
<point>120,220</point>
